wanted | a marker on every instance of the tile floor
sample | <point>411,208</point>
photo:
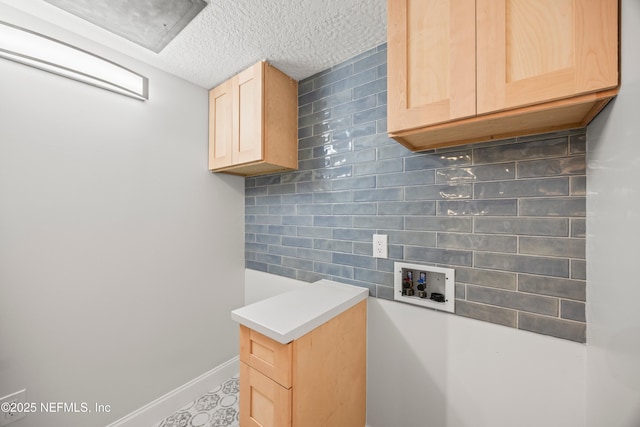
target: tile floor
<point>216,408</point>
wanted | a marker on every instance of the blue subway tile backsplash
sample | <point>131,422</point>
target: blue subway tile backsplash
<point>508,215</point>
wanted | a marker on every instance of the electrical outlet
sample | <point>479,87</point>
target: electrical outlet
<point>11,407</point>
<point>380,249</point>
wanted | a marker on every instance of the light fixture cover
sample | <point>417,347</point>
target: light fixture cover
<point>37,50</point>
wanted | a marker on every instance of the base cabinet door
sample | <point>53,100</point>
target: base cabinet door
<point>264,402</point>
<point>266,355</point>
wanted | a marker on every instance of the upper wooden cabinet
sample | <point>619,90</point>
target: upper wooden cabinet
<point>253,123</point>
<point>462,71</point>
<point>431,62</point>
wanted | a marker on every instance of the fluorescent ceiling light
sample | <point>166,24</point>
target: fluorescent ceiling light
<point>39,51</point>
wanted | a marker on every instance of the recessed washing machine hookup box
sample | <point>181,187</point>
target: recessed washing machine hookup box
<point>425,285</point>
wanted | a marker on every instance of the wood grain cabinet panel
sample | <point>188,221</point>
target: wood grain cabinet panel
<point>220,128</point>
<point>327,368</point>
<point>248,89</point>
<point>266,355</point>
<point>537,51</point>
<point>263,403</point>
<point>253,123</point>
<point>431,57</point>
<point>533,65</point>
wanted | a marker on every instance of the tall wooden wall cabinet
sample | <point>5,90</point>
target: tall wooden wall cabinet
<point>463,71</point>
<point>253,122</point>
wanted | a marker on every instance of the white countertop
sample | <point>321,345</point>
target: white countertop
<point>292,314</point>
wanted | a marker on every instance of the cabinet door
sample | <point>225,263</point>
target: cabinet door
<point>220,125</point>
<point>533,51</point>
<point>248,128</point>
<point>431,62</point>
<point>270,357</point>
<point>263,402</point>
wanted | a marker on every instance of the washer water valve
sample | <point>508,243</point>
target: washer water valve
<point>433,288</point>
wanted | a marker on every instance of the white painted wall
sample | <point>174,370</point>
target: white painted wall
<point>121,256</point>
<point>259,285</point>
<point>427,368</point>
<point>613,218</point>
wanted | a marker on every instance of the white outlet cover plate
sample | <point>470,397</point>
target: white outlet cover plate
<point>380,246</point>
<point>18,397</point>
<point>449,293</point>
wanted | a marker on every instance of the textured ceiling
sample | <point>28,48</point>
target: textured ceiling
<point>301,37</point>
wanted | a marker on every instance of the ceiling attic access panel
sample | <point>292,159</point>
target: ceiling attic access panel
<point>149,23</point>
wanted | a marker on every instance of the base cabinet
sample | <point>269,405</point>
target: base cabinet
<point>316,380</point>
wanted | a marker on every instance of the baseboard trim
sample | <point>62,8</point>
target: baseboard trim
<point>166,405</point>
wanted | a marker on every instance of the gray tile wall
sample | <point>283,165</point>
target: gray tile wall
<point>509,216</point>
